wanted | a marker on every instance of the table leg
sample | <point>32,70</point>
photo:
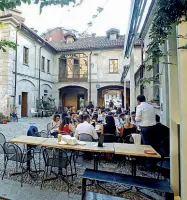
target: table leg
<point>96,161</point>
<point>133,165</point>
<point>60,169</point>
<point>28,154</point>
<point>83,188</point>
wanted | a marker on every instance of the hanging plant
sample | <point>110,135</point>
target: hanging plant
<point>168,12</point>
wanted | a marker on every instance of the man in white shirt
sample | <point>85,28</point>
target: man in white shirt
<point>86,127</point>
<point>145,117</point>
<point>102,116</point>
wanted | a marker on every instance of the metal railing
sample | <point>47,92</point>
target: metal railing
<point>73,76</point>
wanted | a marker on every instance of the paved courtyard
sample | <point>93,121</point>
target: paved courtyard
<point>10,187</point>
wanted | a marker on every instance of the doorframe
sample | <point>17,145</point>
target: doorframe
<point>22,103</point>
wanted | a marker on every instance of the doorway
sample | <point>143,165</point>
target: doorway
<point>80,101</point>
<point>24,104</point>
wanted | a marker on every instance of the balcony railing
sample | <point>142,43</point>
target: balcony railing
<point>73,76</point>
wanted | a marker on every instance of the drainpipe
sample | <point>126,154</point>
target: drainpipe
<point>39,78</point>
<point>90,75</point>
<point>142,66</point>
<point>16,67</point>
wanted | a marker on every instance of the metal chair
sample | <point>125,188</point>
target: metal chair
<point>55,158</point>
<point>164,164</point>
<point>14,153</point>
<point>109,138</point>
<point>2,139</point>
<point>85,137</point>
<point>48,128</point>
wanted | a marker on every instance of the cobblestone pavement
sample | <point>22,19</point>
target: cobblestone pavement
<point>14,129</point>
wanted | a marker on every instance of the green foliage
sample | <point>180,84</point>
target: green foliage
<point>4,44</point>
<point>10,4</point>
<point>168,12</point>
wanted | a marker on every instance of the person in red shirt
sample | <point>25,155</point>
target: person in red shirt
<point>65,127</point>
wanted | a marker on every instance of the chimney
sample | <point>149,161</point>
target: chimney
<point>93,34</point>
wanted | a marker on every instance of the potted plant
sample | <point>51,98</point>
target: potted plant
<point>5,120</point>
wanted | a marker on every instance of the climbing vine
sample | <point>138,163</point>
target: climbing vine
<point>167,13</point>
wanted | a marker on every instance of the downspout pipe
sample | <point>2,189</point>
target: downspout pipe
<point>39,74</point>
<point>90,75</point>
<point>16,68</point>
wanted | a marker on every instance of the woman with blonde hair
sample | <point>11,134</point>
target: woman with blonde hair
<point>128,128</point>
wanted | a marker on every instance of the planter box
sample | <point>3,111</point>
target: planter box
<point>4,121</point>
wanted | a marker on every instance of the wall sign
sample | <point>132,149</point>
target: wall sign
<point>98,86</point>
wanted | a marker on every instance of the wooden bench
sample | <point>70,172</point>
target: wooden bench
<point>135,181</point>
<point>97,196</point>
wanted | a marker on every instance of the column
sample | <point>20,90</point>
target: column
<point>164,90</point>
<point>182,60</point>
<point>174,111</point>
<point>93,94</point>
<point>125,94</point>
<point>132,83</point>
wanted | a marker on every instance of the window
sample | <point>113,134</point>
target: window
<point>43,63</point>
<point>113,66</point>
<point>48,66</point>
<point>113,36</point>
<point>25,55</point>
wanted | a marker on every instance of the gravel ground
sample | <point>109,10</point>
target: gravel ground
<point>14,129</point>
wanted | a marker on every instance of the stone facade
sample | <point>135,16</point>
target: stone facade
<point>27,75</point>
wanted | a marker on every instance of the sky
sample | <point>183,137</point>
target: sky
<point>115,15</point>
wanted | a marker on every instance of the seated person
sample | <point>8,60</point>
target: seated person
<point>94,120</point>
<point>133,116</point>
<point>80,119</point>
<point>65,127</point>
<point>55,123</point>
<point>161,132</point>
<point>86,128</point>
<point>110,126</point>
<point>101,117</point>
<point>128,128</point>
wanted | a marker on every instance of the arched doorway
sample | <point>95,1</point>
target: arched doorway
<point>73,96</point>
<point>114,93</point>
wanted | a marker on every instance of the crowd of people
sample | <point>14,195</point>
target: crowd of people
<point>121,123</point>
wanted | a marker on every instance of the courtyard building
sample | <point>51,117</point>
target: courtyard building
<point>72,70</point>
<point>164,85</point>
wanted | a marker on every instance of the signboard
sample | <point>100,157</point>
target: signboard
<point>98,86</point>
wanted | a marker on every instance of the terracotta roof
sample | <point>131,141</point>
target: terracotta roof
<point>89,43</point>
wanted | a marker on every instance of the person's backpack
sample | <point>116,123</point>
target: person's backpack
<point>33,131</point>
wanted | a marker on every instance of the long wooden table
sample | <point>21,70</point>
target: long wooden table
<point>134,150</point>
<point>116,148</point>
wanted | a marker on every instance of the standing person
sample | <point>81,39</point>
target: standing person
<point>111,104</point>
<point>90,105</point>
<point>145,116</point>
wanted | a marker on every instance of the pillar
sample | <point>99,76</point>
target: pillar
<point>132,83</point>
<point>125,93</point>
<point>174,110</point>
<point>164,90</point>
<point>182,60</point>
<point>93,94</point>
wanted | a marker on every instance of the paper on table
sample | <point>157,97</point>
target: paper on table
<point>81,142</point>
<point>62,142</point>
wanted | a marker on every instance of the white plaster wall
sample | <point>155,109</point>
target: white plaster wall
<point>26,86</point>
